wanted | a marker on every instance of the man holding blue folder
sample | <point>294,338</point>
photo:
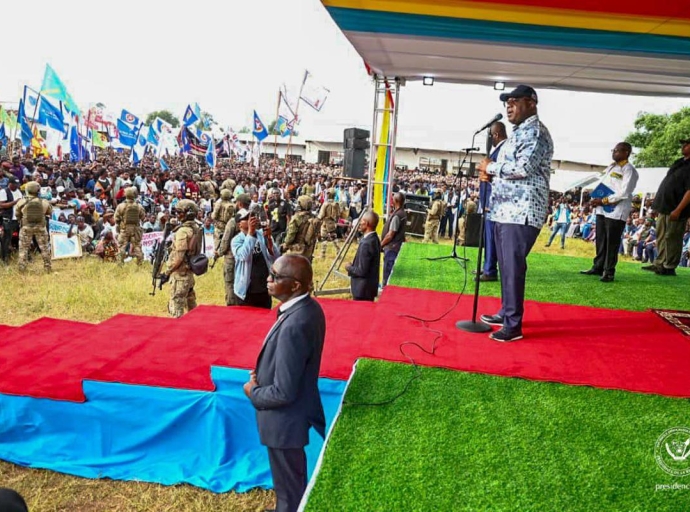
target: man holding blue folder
<point>613,201</point>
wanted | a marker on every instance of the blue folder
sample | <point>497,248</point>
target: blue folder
<point>601,192</point>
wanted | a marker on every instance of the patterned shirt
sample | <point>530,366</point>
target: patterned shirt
<point>520,188</point>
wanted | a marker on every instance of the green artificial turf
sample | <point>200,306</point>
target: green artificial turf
<point>470,442</point>
<point>549,279</point>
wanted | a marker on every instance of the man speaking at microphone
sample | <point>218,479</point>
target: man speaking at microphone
<point>519,202</point>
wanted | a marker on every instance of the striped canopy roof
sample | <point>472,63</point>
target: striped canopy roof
<point>615,46</point>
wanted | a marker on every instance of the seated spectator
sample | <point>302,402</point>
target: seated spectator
<point>107,248</point>
<point>85,234</point>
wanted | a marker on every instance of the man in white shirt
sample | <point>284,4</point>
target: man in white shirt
<point>9,197</point>
<point>612,211</point>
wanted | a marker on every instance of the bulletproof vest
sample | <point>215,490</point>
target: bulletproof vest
<point>34,214</point>
<point>332,211</point>
<point>131,216</point>
<point>227,212</point>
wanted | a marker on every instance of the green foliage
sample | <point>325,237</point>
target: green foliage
<point>272,129</point>
<point>470,442</point>
<point>550,278</point>
<point>165,115</point>
<point>656,137</point>
<point>245,129</point>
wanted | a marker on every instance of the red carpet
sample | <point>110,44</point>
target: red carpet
<point>636,351</point>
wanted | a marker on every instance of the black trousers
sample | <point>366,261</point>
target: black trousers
<point>289,471</point>
<point>608,241</point>
<point>258,300</point>
<point>9,227</point>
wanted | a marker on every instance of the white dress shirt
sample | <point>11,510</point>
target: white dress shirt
<point>622,179</point>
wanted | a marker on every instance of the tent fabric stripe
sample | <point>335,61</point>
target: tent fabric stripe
<point>527,15</point>
<point>360,20</point>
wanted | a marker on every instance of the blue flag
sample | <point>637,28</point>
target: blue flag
<point>152,137</point>
<point>211,155</point>
<point>51,116</point>
<point>190,116</point>
<point>3,135</point>
<point>260,131</point>
<point>164,166</point>
<point>127,133</point>
<point>75,150</point>
<point>26,133</point>
<point>128,117</point>
<point>186,146</point>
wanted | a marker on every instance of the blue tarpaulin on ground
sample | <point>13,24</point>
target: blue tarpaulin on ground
<point>151,434</point>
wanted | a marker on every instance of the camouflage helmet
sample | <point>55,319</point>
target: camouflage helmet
<point>330,193</point>
<point>32,188</point>
<point>225,194</point>
<point>305,203</point>
<point>188,208</point>
<point>131,193</point>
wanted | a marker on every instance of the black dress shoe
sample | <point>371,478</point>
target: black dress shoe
<point>606,278</point>
<point>492,320</point>
<point>483,278</point>
<point>650,268</point>
<point>591,272</point>
<point>666,272</point>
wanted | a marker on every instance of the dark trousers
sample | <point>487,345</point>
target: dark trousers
<point>608,240</point>
<point>9,227</point>
<point>669,240</point>
<point>446,220</point>
<point>513,244</point>
<point>258,300</point>
<point>388,262</point>
<point>490,256</point>
<point>289,471</point>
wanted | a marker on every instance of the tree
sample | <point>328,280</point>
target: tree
<point>272,129</point>
<point>165,115</point>
<point>656,137</point>
<point>245,130</point>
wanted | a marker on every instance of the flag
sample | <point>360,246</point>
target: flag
<point>55,88</point>
<point>47,114</point>
<point>139,147</point>
<point>75,150</point>
<point>184,138</point>
<point>31,100</point>
<point>162,126</point>
<point>380,191</point>
<point>3,135</point>
<point>38,144</point>
<point>9,119</point>
<point>164,166</point>
<point>152,137</point>
<point>128,117</point>
<point>26,133</point>
<point>98,140</point>
<point>312,93</point>
<point>190,116</point>
<point>282,126</point>
<point>211,155</point>
<point>127,133</point>
<point>260,131</point>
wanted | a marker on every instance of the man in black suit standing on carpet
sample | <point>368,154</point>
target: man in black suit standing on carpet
<point>284,387</point>
<point>364,270</point>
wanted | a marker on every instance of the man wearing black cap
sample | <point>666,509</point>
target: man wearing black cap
<point>672,201</point>
<point>519,203</point>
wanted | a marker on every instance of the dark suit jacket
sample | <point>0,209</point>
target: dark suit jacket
<point>365,269</point>
<point>287,399</point>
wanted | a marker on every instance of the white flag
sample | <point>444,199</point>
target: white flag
<point>313,94</point>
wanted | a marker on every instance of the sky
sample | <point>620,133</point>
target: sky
<point>231,58</point>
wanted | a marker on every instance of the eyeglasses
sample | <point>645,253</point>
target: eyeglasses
<point>276,277</point>
<point>513,101</point>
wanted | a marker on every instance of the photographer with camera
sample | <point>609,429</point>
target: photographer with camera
<point>254,252</point>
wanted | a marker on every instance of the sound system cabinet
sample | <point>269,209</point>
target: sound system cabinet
<point>415,222</point>
<point>473,224</point>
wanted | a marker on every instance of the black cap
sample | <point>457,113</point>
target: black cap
<point>521,91</point>
<point>12,181</point>
<point>685,141</point>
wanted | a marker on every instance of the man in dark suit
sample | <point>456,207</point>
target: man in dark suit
<point>364,270</point>
<point>283,388</point>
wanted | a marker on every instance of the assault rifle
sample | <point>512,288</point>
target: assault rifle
<point>158,257</point>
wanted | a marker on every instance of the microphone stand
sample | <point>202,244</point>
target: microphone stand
<point>472,325</point>
<point>454,254</point>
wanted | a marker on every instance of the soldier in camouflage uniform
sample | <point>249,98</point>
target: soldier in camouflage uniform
<point>128,217</point>
<point>329,215</point>
<point>231,229</point>
<point>303,230</point>
<point>31,214</point>
<point>186,243</point>
<point>223,211</point>
<point>433,218</point>
<point>228,184</point>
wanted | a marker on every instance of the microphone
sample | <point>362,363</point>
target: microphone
<point>497,117</point>
<point>469,149</point>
